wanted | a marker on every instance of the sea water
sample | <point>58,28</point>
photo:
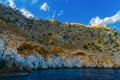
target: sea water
<point>67,74</point>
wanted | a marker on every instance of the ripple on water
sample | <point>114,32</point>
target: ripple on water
<point>69,74</point>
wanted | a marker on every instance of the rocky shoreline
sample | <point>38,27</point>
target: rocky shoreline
<point>10,61</point>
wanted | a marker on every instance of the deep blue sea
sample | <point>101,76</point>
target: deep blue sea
<point>67,74</point>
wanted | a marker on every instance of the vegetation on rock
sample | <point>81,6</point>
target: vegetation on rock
<point>64,44</point>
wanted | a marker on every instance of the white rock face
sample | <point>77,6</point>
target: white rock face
<point>1,43</point>
<point>10,58</point>
<point>1,49</point>
<point>117,59</point>
<point>55,62</point>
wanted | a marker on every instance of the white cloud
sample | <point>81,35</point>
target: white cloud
<point>54,14</point>
<point>26,13</point>
<point>11,4</point>
<point>34,1</point>
<point>44,6</point>
<point>106,20</point>
<point>60,13</point>
<point>57,13</point>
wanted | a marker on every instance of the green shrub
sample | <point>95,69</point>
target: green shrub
<point>33,37</point>
<point>68,30</point>
<point>111,54</point>
<point>115,33</point>
<point>99,41</point>
<point>93,43</point>
<point>107,42</point>
<point>50,34</point>
<point>85,47</point>
<point>113,51</point>
<point>117,45</point>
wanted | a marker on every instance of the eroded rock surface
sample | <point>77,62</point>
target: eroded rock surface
<point>28,44</point>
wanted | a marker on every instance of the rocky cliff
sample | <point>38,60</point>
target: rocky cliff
<point>29,44</point>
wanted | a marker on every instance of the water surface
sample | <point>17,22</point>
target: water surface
<point>68,74</point>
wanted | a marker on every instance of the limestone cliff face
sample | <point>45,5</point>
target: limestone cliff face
<point>27,44</point>
<point>10,59</point>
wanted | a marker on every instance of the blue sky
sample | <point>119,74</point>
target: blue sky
<point>95,12</point>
